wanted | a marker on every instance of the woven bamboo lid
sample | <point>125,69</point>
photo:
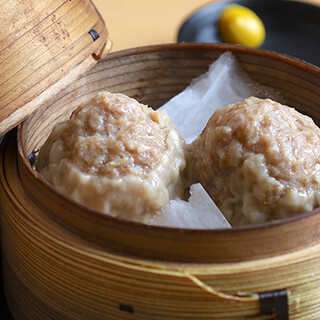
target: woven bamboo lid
<point>44,46</point>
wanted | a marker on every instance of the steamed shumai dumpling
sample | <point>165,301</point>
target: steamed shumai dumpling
<point>117,156</point>
<point>259,161</point>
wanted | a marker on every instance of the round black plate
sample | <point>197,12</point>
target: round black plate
<point>292,27</point>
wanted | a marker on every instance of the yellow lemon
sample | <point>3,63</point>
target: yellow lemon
<point>240,25</point>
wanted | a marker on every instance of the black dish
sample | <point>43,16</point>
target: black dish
<point>292,27</point>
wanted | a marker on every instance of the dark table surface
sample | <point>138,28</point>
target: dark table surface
<point>4,310</point>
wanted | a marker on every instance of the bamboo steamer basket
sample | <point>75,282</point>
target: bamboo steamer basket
<point>64,261</point>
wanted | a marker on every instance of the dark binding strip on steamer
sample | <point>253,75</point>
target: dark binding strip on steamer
<point>94,34</point>
<point>275,304</point>
<point>126,308</point>
<point>32,157</point>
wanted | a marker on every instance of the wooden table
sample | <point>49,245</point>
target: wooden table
<point>134,23</point>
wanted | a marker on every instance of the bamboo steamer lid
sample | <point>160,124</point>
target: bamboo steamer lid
<point>63,261</point>
<point>45,46</point>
